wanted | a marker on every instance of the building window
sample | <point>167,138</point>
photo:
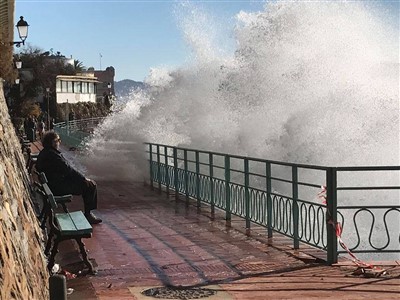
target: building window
<point>58,86</point>
<point>84,87</point>
<point>77,87</point>
<point>91,88</point>
<point>63,86</point>
<point>70,88</point>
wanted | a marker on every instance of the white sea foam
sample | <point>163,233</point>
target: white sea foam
<point>308,82</point>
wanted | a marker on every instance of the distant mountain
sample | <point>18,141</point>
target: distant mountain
<point>124,87</point>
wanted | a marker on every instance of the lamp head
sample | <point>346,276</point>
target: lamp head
<point>22,27</point>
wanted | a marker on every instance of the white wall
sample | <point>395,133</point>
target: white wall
<point>75,98</point>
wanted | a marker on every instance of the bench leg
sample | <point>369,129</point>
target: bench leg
<point>49,242</point>
<point>84,255</point>
<point>43,216</point>
<point>53,254</point>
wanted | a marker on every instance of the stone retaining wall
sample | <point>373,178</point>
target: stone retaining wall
<point>23,273</point>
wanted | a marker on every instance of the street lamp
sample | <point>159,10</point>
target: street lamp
<point>17,81</point>
<point>48,108</point>
<point>107,98</point>
<point>18,64</point>
<point>22,27</point>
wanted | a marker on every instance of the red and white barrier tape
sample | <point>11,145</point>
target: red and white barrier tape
<point>338,229</point>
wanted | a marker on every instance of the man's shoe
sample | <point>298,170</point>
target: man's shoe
<point>93,219</point>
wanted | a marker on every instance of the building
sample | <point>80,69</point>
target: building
<point>7,26</point>
<point>105,86</point>
<point>78,88</point>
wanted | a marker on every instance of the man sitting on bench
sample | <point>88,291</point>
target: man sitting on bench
<point>63,178</point>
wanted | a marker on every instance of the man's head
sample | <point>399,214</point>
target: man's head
<point>51,140</point>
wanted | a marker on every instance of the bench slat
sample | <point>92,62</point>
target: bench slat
<point>50,196</point>
<point>80,221</point>
<point>73,223</point>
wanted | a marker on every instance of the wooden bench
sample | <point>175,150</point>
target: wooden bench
<point>25,144</point>
<point>64,226</point>
<point>31,160</point>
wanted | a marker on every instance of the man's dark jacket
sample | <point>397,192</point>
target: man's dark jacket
<point>60,174</point>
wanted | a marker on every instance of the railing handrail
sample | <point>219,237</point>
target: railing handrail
<point>305,166</point>
<point>78,121</point>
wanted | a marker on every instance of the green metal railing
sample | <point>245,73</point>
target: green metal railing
<point>73,133</point>
<point>282,197</point>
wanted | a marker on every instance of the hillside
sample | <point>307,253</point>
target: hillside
<point>124,87</point>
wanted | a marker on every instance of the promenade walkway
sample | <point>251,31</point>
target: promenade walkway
<point>149,240</point>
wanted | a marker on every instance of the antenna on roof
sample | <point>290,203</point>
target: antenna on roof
<point>100,56</point>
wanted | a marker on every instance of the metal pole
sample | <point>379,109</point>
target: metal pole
<point>198,180</point>
<point>247,195</point>
<point>185,161</point>
<point>48,111</point>
<point>176,179</point>
<point>67,117</point>
<point>151,165</point>
<point>158,169</point>
<point>227,190</point>
<point>295,192</point>
<point>269,198</point>
<point>331,215</point>
<point>210,159</point>
<point>166,169</point>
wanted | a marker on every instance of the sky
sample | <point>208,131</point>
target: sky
<point>132,36</point>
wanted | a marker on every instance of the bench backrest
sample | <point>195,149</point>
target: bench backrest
<point>42,177</point>
<point>47,191</point>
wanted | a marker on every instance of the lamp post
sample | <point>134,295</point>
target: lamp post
<point>109,95</point>
<point>109,88</point>
<point>48,107</point>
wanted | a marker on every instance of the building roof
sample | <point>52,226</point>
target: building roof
<point>77,78</point>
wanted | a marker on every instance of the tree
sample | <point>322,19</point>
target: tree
<point>78,65</point>
<point>39,72</point>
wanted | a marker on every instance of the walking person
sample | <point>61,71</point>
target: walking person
<point>41,128</point>
<point>63,178</point>
<point>31,133</point>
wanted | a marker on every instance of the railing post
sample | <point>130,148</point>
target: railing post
<point>186,176</point>
<point>247,195</point>
<point>227,190</point>
<point>151,165</point>
<point>176,179</point>
<point>295,195</point>
<point>331,215</point>
<point>166,169</point>
<point>159,168</point>
<point>212,200</point>
<point>198,180</point>
<point>269,198</point>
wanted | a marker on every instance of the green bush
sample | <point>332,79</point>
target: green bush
<point>82,110</point>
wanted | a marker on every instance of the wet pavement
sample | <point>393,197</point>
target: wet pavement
<point>150,240</point>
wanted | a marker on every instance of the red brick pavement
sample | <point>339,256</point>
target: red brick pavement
<point>148,240</point>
